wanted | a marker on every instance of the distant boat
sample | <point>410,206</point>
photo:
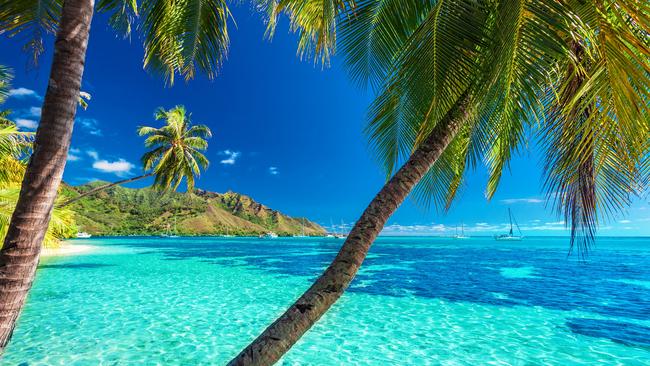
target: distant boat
<point>83,235</point>
<point>227,234</point>
<point>341,235</point>
<point>302,230</point>
<point>168,234</point>
<point>270,235</point>
<point>510,236</point>
<point>462,232</point>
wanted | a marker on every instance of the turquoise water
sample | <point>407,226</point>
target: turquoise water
<point>417,301</point>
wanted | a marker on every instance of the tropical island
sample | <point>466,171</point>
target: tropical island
<point>145,211</point>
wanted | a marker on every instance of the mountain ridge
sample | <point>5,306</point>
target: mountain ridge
<point>145,211</point>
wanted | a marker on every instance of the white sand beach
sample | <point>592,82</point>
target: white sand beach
<point>67,249</point>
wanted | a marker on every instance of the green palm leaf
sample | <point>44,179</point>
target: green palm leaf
<point>182,36</point>
<point>176,150</point>
<point>33,17</point>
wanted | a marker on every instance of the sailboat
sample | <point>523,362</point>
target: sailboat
<point>341,235</point>
<point>302,229</point>
<point>227,234</point>
<point>330,234</point>
<point>168,234</point>
<point>510,236</point>
<point>462,232</point>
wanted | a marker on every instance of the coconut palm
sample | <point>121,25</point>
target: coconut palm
<point>176,153</point>
<point>460,82</point>
<point>180,37</point>
<point>14,146</point>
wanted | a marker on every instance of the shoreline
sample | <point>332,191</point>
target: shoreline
<point>67,249</point>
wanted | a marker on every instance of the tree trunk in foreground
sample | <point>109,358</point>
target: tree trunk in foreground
<point>103,187</point>
<point>280,336</point>
<point>22,245</point>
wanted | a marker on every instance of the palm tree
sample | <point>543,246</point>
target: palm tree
<point>463,82</point>
<point>176,153</point>
<point>179,38</point>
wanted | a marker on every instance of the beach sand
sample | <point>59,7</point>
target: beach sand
<point>68,249</point>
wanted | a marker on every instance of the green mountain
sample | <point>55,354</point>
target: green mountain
<point>144,211</point>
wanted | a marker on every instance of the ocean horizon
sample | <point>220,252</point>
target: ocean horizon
<point>416,301</point>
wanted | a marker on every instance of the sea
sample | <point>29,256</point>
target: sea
<point>416,301</point>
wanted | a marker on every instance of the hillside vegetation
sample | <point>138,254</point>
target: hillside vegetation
<point>144,211</point>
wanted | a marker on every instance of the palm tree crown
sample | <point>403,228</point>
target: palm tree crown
<point>177,147</point>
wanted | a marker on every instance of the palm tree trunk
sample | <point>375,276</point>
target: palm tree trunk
<point>103,187</point>
<point>22,245</point>
<point>280,336</point>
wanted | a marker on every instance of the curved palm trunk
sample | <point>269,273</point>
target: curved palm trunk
<point>22,245</point>
<point>280,336</point>
<point>101,188</point>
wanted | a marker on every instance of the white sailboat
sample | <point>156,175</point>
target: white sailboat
<point>227,234</point>
<point>510,236</point>
<point>331,234</point>
<point>302,229</point>
<point>83,235</point>
<point>462,232</point>
<point>341,235</point>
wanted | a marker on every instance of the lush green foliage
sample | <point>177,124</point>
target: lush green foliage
<point>15,147</point>
<point>146,211</point>
<point>177,147</point>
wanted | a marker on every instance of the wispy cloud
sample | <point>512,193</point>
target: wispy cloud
<point>90,125</point>
<point>21,93</point>
<point>511,201</point>
<point>35,112</point>
<point>74,154</point>
<point>120,167</point>
<point>273,170</point>
<point>624,221</point>
<point>93,154</point>
<point>231,157</point>
<point>26,123</point>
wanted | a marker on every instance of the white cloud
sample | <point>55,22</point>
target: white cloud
<point>624,221</point>
<point>231,157</point>
<point>510,201</point>
<point>555,223</point>
<point>119,167</point>
<point>26,123</point>
<point>93,154</point>
<point>273,170</point>
<point>23,93</point>
<point>35,112</point>
<point>73,157</point>
<point>91,126</point>
<point>74,154</point>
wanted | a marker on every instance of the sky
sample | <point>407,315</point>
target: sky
<point>287,132</point>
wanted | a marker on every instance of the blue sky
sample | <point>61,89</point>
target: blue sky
<point>286,132</point>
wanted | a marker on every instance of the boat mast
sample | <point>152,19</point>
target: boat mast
<point>510,216</point>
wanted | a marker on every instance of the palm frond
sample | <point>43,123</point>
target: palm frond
<point>182,36</point>
<point>596,141</point>
<point>373,33</point>
<point>6,76</point>
<point>438,64</point>
<point>123,14</point>
<point>31,18</point>
<point>314,20</point>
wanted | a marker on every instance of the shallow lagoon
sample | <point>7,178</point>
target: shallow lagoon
<point>417,301</point>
